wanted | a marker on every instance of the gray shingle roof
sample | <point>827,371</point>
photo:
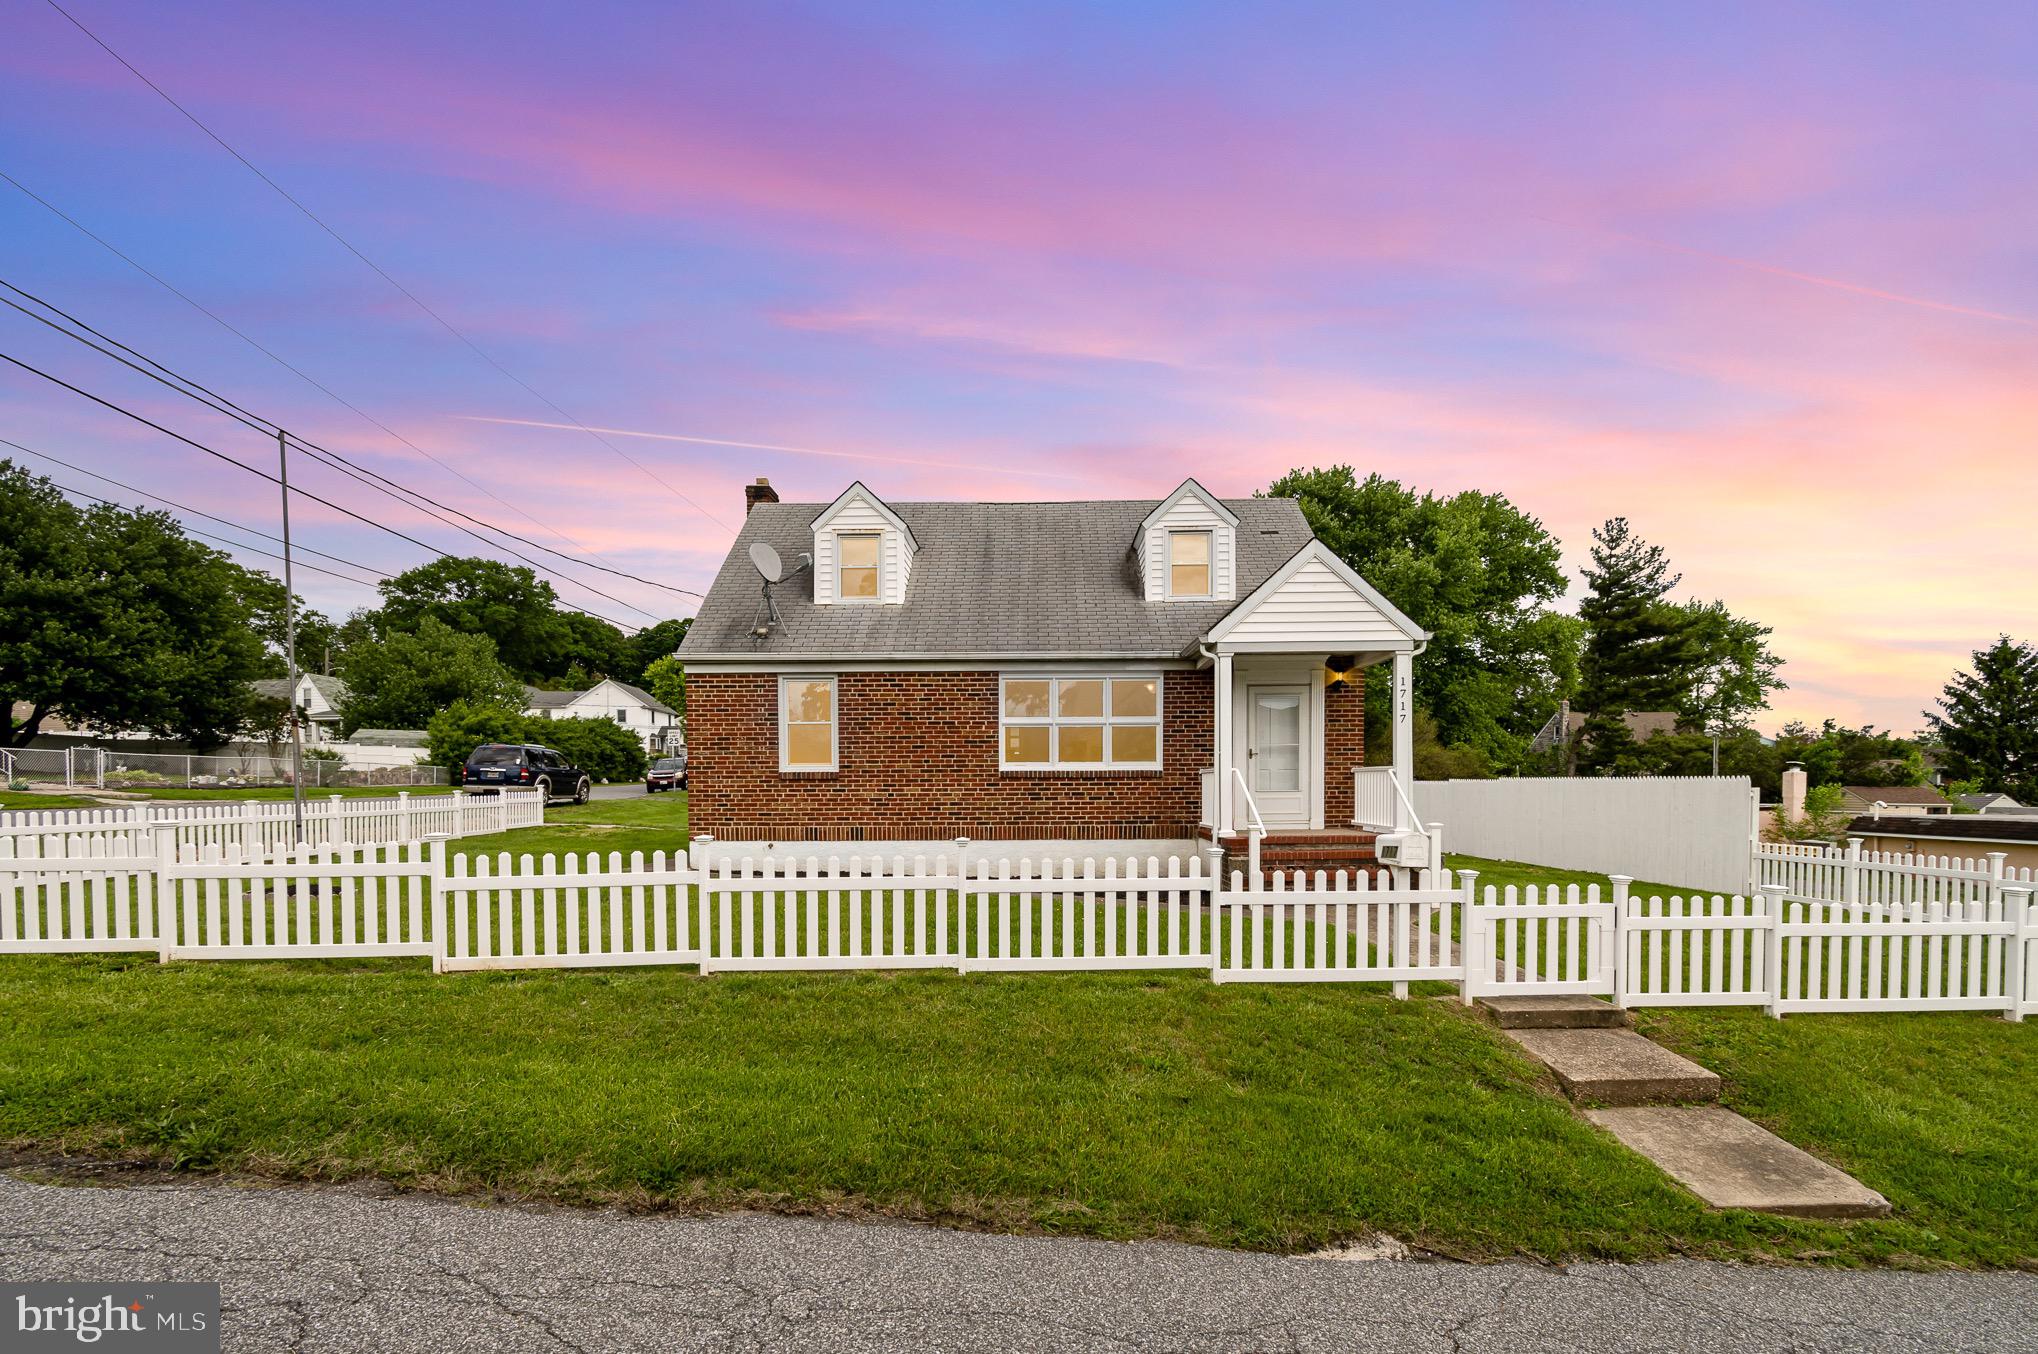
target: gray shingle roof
<point>656,705</point>
<point>989,578</point>
<point>536,699</point>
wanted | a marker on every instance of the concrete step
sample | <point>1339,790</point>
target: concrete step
<point>1553,1013</point>
<point>1617,1067</point>
<point>1732,1163</point>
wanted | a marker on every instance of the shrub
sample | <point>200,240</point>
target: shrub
<point>606,751</point>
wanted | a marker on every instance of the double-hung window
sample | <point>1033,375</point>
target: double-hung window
<point>857,565</point>
<point>1188,564</point>
<point>1080,722</point>
<point>806,724</point>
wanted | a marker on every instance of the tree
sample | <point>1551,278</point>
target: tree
<point>405,679</point>
<point>665,679</point>
<point>1834,754</point>
<point>1475,571</point>
<point>1987,725</point>
<point>263,596</point>
<point>603,749</point>
<point>513,607</point>
<point>454,732</point>
<point>1732,670</point>
<point>652,643</point>
<point>118,620</point>
<point>1821,821</point>
<point>1638,648</point>
<point>590,647</point>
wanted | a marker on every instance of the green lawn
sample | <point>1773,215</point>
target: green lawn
<point>1938,1111</point>
<point>15,799</point>
<point>647,823</point>
<point>1111,1105</point>
<point>1106,1105</point>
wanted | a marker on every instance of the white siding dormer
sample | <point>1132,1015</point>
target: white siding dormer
<point>1190,526</point>
<point>860,539</point>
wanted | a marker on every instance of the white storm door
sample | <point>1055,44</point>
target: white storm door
<point>1277,762</point>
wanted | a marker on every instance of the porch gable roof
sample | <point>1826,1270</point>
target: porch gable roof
<point>1317,601</point>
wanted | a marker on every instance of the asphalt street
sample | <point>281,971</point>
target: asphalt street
<point>352,1270</point>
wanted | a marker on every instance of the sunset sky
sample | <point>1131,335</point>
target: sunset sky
<point>1763,279</point>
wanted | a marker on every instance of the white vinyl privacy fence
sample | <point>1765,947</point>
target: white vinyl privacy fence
<point>1694,829</point>
<point>1975,948</point>
<point>258,826</point>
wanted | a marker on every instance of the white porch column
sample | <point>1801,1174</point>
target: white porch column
<point>1404,734</point>
<point>1221,698</point>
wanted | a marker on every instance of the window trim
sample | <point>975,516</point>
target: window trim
<point>1053,721</point>
<point>834,723</point>
<point>876,534</point>
<point>1209,536</point>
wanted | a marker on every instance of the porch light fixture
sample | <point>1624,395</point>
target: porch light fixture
<point>1341,667</point>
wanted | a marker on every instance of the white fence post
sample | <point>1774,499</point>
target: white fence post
<point>1772,947</point>
<point>2016,958</point>
<point>1619,962</point>
<point>1850,889</point>
<point>403,832</point>
<point>1468,948</point>
<point>1996,862</point>
<point>502,810</point>
<point>435,854</point>
<point>165,846</point>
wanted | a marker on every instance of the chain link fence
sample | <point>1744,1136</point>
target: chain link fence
<point>118,769</point>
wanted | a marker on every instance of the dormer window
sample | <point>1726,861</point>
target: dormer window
<point>863,552</point>
<point>1187,549</point>
<point>1189,564</point>
<point>859,554</point>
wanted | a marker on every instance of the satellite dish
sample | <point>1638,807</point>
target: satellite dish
<point>767,561</point>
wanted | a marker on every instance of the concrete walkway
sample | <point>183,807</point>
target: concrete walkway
<point>342,1270</point>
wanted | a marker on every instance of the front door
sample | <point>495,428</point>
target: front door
<point>1276,760</point>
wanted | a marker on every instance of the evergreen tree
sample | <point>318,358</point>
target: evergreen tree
<point>1988,721</point>
<point>1638,646</point>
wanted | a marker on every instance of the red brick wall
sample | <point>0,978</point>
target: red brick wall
<point>1344,747</point>
<point>917,757</point>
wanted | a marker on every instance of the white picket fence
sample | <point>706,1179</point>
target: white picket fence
<point>260,826</point>
<point>1974,952</point>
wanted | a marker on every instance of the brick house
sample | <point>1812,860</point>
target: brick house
<point>1139,677</point>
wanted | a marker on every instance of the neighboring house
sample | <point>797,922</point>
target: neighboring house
<point>1902,800</point>
<point>1642,726</point>
<point>1965,835</point>
<point>658,724</point>
<point>1126,675</point>
<point>1990,801</point>
<point>318,696</point>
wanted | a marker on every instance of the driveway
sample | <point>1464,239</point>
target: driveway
<point>346,1270</point>
<point>633,790</point>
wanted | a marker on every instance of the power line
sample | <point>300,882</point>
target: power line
<point>270,426</point>
<point>195,512</point>
<point>306,377</point>
<point>221,405</point>
<point>379,271</point>
<point>263,474</point>
<point>220,540</point>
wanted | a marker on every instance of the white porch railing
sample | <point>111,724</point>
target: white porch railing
<point>1255,826</point>
<point>1380,802</point>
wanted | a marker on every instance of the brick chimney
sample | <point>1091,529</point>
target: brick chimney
<point>760,492</point>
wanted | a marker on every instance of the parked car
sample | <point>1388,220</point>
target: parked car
<point>667,773</point>
<point>494,767</point>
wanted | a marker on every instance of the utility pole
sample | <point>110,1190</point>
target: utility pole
<point>290,647</point>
